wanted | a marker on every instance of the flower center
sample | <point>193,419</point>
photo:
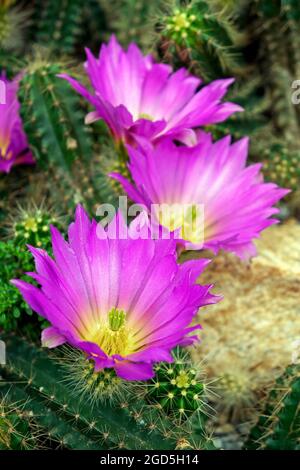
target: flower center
<point>116,319</point>
<point>114,337</point>
<point>186,217</point>
<point>146,116</point>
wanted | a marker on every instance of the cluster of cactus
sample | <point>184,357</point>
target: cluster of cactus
<point>278,64</point>
<point>40,402</point>
<point>278,428</point>
<point>67,418</point>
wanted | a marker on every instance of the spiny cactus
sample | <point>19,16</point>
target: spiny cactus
<point>54,122</point>
<point>104,386</point>
<point>195,36</point>
<point>13,21</point>
<point>57,24</point>
<point>52,116</point>
<point>177,388</point>
<point>275,25</point>
<point>94,23</point>
<point>282,164</point>
<point>28,226</point>
<point>273,28</point>
<point>17,428</point>
<point>278,428</point>
<point>65,26</point>
<point>236,392</point>
<point>32,376</point>
<point>200,35</point>
<point>14,259</point>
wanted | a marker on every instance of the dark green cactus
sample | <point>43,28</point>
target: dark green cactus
<point>104,386</point>
<point>28,226</point>
<point>177,388</point>
<point>278,428</point>
<point>65,26</point>
<point>14,261</point>
<point>58,24</point>
<point>32,226</point>
<point>275,27</point>
<point>53,119</point>
<point>202,36</point>
<point>195,36</point>
<point>54,122</point>
<point>282,164</point>
<point>32,376</point>
<point>17,428</point>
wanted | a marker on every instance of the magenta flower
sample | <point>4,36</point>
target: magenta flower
<point>237,204</point>
<point>125,302</point>
<point>13,142</point>
<point>138,98</point>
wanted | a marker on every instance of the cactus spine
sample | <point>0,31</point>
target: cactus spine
<point>278,428</point>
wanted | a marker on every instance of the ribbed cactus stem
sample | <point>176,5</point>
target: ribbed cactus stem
<point>279,425</point>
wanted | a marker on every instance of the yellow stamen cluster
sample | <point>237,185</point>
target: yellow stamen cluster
<point>188,218</point>
<point>113,336</point>
<point>146,116</point>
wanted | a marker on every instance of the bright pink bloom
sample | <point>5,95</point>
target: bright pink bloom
<point>237,204</point>
<point>140,99</point>
<point>125,302</point>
